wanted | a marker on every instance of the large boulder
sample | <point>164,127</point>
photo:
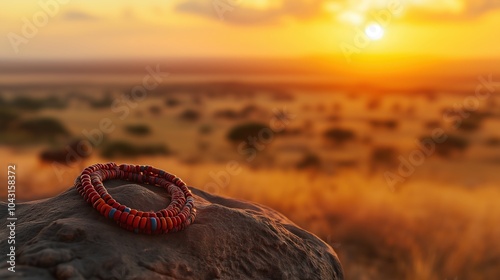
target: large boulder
<point>65,238</point>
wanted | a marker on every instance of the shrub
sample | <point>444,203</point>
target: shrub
<point>125,149</point>
<point>339,135</point>
<point>387,124</point>
<point>138,129</point>
<point>44,127</point>
<point>66,154</point>
<point>227,114</point>
<point>384,155</point>
<point>172,102</point>
<point>309,160</point>
<point>7,118</point>
<point>190,115</point>
<point>452,145</point>
<point>471,123</point>
<point>242,132</point>
<point>54,102</point>
<point>26,103</point>
<point>493,142</point>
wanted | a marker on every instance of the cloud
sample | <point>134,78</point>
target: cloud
<point>243,13</point>
<point>452,10</point>
<point>251,14</point>
<point>78,15</point>
<point>476,8</point>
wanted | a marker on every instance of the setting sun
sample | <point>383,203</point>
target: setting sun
<point>316,138</point>
<point>374,31</point>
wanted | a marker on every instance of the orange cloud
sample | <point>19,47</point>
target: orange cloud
<point>270,11</point>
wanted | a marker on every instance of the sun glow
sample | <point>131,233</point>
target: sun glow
<point>374,31</point>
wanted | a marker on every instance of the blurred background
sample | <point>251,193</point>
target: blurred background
<point>373,124</point>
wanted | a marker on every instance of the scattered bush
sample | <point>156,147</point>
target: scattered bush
<point>227,114</point>
<point>453,145</point>
<point>231,114</point>
<point>138,129</point>
<point>386,156</point>
<point>493,142</point>
<point>471,123</point>
<point>120,148</point>
<point>54,102</point>
<point>309,161</point>
<point>190,115</point>
<point>339,135</point>
<point>43,127</point>
<point>68,154</point>
<point>242,132</point>
<point>172,102</point>
<point>26,103</point>
<point>34,104</point>
<point>385,124</point>
<point>7,118</point>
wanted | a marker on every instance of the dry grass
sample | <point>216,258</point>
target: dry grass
<point>420,232</point>
<point>443,223</point>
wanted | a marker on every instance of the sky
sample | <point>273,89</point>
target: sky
<point>129,29</point>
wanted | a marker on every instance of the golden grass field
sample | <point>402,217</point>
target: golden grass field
<point>441,223</point>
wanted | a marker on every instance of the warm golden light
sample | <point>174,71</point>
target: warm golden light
<point>374,31</point>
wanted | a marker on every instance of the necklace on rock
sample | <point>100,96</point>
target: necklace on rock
<point>176,216</point>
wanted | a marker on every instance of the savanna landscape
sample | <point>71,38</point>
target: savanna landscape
<point>374,125</point>
<point>320,158</point>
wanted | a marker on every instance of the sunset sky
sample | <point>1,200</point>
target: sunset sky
<point>117,29</point>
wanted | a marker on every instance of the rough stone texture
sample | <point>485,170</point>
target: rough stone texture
<point>65,238</point>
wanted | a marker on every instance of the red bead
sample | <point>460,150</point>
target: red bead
<point>130,220</point>
<point>163,224</point>
<point>179,213</point>
<point>170,224</point>
<point>123,217</point>
<point>107,209</point>
<point>148,225</point>
<point>117,215</point>
<point>179,221</point>
<point>100,205</point>
<point>97,202</point>
<point>135,224</point>
<point>144,221</point>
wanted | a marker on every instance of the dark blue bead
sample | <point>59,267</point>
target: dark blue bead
<point>153,224</point>
<point>111,213</point>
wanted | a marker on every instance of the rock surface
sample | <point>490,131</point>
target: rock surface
<point>65,238</point>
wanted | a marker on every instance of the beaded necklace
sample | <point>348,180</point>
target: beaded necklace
<point>176,216</point>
